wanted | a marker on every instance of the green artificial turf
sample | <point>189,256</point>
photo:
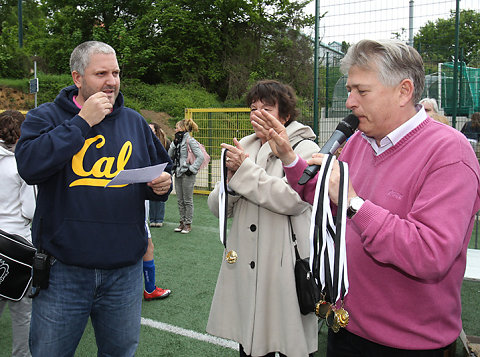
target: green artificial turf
<point>188,264</point>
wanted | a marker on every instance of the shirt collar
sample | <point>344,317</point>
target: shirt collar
<point>76,103</point>
<point>399,133</point>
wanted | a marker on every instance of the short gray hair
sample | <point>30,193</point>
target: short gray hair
<point>394,60</point>
<point>432,102</point>
<point>80,57</point>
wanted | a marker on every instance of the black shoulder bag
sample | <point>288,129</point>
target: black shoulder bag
<point>16,262</point>
<point>308,292</point>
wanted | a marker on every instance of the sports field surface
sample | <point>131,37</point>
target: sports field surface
<point>188,264</point>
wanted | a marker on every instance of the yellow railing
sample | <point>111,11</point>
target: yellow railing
<point>24,112</point>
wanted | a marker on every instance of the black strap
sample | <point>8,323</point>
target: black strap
<point>294,238</point>
<point>298,142</point>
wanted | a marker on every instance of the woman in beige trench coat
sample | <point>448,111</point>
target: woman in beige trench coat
<point>255,301</point>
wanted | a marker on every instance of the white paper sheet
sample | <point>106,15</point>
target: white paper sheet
<point>144,174</point>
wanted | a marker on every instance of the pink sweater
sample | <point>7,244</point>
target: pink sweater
<point>406,246</point>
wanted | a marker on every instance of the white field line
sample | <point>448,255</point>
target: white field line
<point>189,333</point>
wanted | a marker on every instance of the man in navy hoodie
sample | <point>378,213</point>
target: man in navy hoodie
<point>95,235</point>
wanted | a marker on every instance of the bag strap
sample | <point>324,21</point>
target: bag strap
<point>294,238</point>
<point>298,142</point>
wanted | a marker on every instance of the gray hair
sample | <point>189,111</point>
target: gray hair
<point>80,57</point>
<point>393,59</point>
<point>432,102</point>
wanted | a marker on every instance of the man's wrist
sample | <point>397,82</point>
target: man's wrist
<point>354,204</point>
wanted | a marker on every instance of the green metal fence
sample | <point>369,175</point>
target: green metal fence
<point>216,126</point>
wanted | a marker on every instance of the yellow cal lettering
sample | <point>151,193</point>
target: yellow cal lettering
<point>106,163</point>
<point>77,161</point>
<point>124,156</point>
<point>102,167</point>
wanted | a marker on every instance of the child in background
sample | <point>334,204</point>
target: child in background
<point>151,292</point>
<point>156,211</point>
<point>157,208</point>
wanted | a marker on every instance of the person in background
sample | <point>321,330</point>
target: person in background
<point>430,105</point>
<point>185,173</point>
<point>17,206</point>
<point>255,301</point>
<point>151,291</point>
<point>157,208</point>
<point>431,108</point>
<point>471,129</point>
<point>94,235</point>
<point>410,216</point>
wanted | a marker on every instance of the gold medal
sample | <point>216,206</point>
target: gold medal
<point>321,308</point>
<point>335,326</point>
<point>231,257</point>
<point>332,319</point>
<point>330,316</point>
<point>342,317</point>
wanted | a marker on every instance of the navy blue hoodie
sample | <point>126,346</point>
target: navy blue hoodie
<point>77,219</point>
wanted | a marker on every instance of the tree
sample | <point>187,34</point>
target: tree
<point>222,45</point>
<point>288,57</point>
<point>15,62</point>
<point>436,40</point>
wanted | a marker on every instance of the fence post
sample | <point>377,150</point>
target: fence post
<point>209,167</point>
<point>455,66</point>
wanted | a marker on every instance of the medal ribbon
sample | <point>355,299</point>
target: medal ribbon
<point>223,199</point>
<point>327,240</point>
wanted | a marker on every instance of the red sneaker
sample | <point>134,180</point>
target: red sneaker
<point>158,293</point>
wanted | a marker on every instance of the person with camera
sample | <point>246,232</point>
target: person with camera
<point>185,172</point>
<point>93,236</point>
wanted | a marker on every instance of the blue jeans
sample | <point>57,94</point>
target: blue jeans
<point>111,298</point>
<point>157,211</point>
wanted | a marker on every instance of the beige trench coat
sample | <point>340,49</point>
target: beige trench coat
<point>255,301</point>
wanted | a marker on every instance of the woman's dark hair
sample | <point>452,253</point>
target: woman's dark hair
<point>10,122</point>
<point>160,134</point>
<point>476,120</point>
<point>272,92</point>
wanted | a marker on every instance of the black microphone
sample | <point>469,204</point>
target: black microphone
<point>342,132</point>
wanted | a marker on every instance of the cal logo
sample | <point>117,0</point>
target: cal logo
<point>104,169</point>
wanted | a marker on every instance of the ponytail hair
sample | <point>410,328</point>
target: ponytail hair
<point>10,122</point>
<point>188,125</point>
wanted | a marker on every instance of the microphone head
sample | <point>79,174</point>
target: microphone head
<point>348,125</point>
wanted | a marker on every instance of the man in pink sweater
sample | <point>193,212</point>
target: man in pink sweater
<point>413,193</point>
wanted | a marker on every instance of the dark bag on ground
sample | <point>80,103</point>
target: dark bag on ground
<point>308,292</point>
<point>16,261</point>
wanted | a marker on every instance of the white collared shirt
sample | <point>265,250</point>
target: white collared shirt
<point>399,133</point>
